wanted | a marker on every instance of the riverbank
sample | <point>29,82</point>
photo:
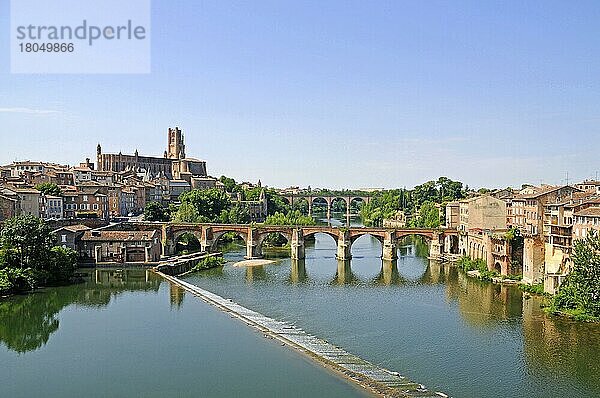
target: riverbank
<point>379,381</point>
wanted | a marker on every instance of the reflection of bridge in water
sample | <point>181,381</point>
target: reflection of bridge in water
<point>389,274</point>
<point>254,236</point>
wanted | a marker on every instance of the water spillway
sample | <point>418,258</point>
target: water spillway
<point>376,379</point>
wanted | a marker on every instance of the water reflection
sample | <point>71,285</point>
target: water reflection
<point>256,273</point>
<point>298,271</point>
<point>389,275</point>
<point>176,295</point>
<point>468,337</point>
<point>561,348</point>
<point>484,304</point>
<point>344,274</point>
<point>28,321</point>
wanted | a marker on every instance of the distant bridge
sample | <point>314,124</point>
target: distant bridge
<point>254,236</point>
<point>329,199</point>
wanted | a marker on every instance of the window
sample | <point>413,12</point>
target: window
<point>63,238</point>
<point>85,198</point>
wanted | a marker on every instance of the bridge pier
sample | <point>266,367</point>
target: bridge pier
<point>436,248</point>
<point>390,248</point>
<point>297,245</point>
<point>206,241</point>
<point>344,245</point>
<point>253,250</point>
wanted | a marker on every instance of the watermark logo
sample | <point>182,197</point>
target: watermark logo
<point>80,36</point>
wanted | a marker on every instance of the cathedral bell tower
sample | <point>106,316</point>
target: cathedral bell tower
<point>99,164</point>
<point>176,147</point>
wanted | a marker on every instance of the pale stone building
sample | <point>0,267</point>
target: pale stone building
<point>528,208</point>
<point>29,200</point>
<point>483,213</point>
<point>453,215</point>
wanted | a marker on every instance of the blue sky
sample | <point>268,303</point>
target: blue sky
<point>336,93</point>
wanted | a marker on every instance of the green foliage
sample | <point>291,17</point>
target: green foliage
<point>275,202</point>
<point>49,188</point>
<point>428,217</point>
<point>466,263</point>
<point>202,205</point>
<point>5,283</point>
<point>14,280</point>
<point>291,218</point>
<point>230,184</point>
<point>187,213</point>
<point>301,205</point>
<point>533,289</point>
<point>209,262</point>
<point>30,239</point>
<point>237,214</point>
<point>580,292</point>
<point>29,258</point>
<point>61,265</point>
<point>385,204</point>
<point>187,243</point>
<point>155,211</point>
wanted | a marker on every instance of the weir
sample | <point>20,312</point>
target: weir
<point>373,378</point>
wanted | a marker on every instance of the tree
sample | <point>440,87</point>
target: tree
<point>580,292</point>
<point>49,188</point>
<point>62,264</point>
<point>237,214</point>
<point>155,211</point>
<point>291,218</point>
<point>275,202</point>
<point>28,256</point>
<point>31,240</point>
<point>209,203</point>
<point>429,216</point>
<point>230,184</point>
<point>187,213</point>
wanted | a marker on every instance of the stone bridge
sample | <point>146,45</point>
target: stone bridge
<point>254,235</point>
<point>327,198</point>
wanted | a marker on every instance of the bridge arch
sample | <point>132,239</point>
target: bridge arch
<point>217,235</point>
<point>180,232</point>
<point>263,235</point>
<point>338,199</point>
<point>357,237</point>
<point>319,200</point>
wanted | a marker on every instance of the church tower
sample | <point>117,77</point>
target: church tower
<point>176,147</point>
<point>99,164</point>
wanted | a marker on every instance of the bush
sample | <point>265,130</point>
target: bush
<point>13,280</point>
<point>579,294</point>
<point>209,262</point>
<point>533,289</point>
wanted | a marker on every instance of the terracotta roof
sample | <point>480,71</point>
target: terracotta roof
<point>118,236</point>
<point>590,211</point>
<point>74,228</point>
<point>543,191</point>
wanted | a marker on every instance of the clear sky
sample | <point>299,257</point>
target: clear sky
<point>336,93</point>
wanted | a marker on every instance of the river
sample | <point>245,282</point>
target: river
<point>128,333</point>
<point>428,321</point>
<point>125,333</point>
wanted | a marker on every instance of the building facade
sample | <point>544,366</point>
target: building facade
<point>173,164</point>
